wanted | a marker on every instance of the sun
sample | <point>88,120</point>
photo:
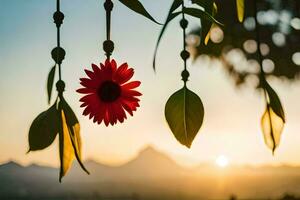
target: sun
<point>222,161</point>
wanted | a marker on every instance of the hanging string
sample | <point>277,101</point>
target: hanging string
<point>58,53</point>
<point>108,45</point>
<point>184,53</point>
<point>257,31</point>
<point>258,41</point>
<point>262,73</point>
<point>58,37</point>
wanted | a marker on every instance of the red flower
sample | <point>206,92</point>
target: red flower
<point>108,93</point>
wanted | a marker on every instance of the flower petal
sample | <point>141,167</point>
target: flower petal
<point>121,115</point>
<point>130,98</point>
<point>90,98</point>
<point>90,74</point>
<point>129,106</point>
<point>130,93</point>
<point>100,113</point>
<point>102,66</point>
<point>113,65</point>
<point>86,90</point>
<point>88,83</point>
<point>86,111</point>
<point>96,69</point>
<point>84,104</point>
<point>123,74</point>
<point>112,115</point>
<point>131,85</point>
<point>106,117</point>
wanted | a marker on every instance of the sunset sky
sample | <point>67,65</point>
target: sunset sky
<point>232,120</point>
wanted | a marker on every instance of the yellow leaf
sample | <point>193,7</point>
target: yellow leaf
<point>75,136</point>
<point>74,131</point>
<point>240,5</point>
<point>272,126</point>
<point>207,37</point>
<point>215,9</point>
<point>214,12</point>
<point>66,149</point>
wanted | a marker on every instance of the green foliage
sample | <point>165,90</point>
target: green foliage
<point>235,35</point>
<point>138,7</point>
<point>44,129</point>
<point>203,3</point>
<point>184,113</point>
<point>170,17</point>
<point>205,25</point>
<point>58,119</point>
<point>50,82</point>
<point>198,13</point>
<point>195,12</point>
<point>209,7</point>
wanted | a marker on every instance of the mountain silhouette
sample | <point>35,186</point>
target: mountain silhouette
<point>152,164</point>
<point>151,174</point>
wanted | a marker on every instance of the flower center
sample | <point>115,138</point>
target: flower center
<point>109,91</point>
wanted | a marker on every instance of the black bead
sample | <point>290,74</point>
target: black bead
<point>184,23</point>
<point>108,46</point>
<point>58,54</point>
<point>184,54</point>
<point>58,18</point>
<point>108,5</point>
<point>185,75</point>
<point>60,86</point>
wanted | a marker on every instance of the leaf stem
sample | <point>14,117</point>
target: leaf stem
<point>184,114</point>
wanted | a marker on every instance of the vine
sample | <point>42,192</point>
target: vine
<point>273,119</point>
<point>59,119</point>
<point>184,110</point>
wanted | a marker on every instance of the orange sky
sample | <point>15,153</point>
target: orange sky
<point>232,118</point>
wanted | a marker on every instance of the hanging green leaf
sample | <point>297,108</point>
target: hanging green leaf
<point>74,131</point>
<point>170,17</point>
<point>50,82</point>
<point>201,14</point>
<point>240,6</point>
<point>138,7</point>
<point>274,101</point>
<point>272,126</point>
<point>184,113</point>
<point>44,129</point>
